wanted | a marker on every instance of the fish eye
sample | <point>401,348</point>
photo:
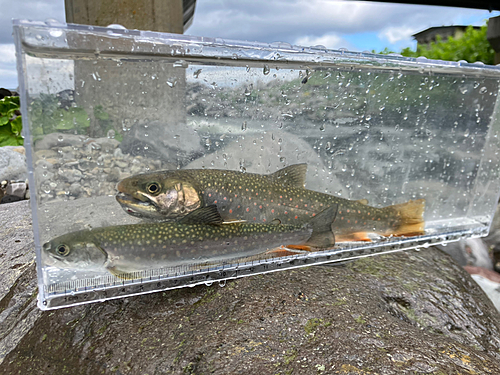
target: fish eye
<point>153,188</point>
<point>62,250</point>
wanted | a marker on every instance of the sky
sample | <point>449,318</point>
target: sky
<point>355,25</point>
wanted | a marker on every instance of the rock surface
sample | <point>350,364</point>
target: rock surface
<point>12,163</point>
<point>173,143</point>
<point>18,283</point>
<point>402,313</point>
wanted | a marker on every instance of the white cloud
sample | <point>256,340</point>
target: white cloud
<point>332,41</point>
<point>8,73</point>
<point>397,34</point>
<point>333,23</point>
<point>7,54</point>
<point>287,21</point>
<point>38,10</point>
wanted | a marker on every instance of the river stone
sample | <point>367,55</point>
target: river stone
<point>12,163</point>
<point>18,283</point>
<point>402,313</point>
<point>60,140</point>
<point>174,143</point>
<point>268,152</point>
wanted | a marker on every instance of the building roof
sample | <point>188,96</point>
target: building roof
<point>440,29</point>
<point>477,4</point>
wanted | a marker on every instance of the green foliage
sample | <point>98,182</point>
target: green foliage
<point>49,117</point>
<point>472,46</point>
<point>104,121</point>
<point>10,122</point>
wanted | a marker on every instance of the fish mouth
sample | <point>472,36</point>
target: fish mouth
<point>136,207</point>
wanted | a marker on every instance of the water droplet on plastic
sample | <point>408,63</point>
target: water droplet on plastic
<point>244,126</point>
<point>60,138</point>
<point>266,70</point>
<point>55,33</point>
<point>180,64</point>
<point>483,90</point>
<point>116,26</point>
<point>197,73</point>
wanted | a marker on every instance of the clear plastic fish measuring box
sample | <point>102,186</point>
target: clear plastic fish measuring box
<point>159,161</point>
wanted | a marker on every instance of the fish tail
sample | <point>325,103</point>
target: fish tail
<point>322,235</point>
<point>411,221</point>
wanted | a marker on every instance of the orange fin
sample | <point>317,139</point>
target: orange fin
<point>411,214</point>
<point>281,252</point>
<point>299,247</point>
<point>354,236</point>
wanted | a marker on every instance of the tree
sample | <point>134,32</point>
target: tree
<point>472,46</point>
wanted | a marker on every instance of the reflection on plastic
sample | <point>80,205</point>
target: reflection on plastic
<point>407,150</point>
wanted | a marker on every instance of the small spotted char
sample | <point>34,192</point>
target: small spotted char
<point>200,237</point>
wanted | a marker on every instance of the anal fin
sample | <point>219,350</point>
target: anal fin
<point>353,237</point>
<point>284,251</point>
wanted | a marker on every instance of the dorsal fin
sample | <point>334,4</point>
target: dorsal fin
<point>293,175</point>
<point>203,215</point>
<point>363,201</point>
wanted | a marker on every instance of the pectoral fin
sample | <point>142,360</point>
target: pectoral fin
<point>203,215</point>
<point>121,274</point>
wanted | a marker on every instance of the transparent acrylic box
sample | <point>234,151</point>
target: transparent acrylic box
<point>100,105</point>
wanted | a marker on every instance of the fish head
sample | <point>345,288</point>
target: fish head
<point>156,196</point>
<point>75,251</point>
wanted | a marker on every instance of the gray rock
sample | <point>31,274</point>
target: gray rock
<point>155,140</point>
<point>107,144</point>
<point>118,153</point>
<point>268,152</point>
<point>70,175</point>
<point>16,189</point>
<point>82,213</point>
<point>404,313</point>
<point>12,163</point>
<point>45,154</point>
<point>60,140</point>
<point>491,288</point>
<point>469,252</point>
<point>121,163</point>
<point>43,175</point>
<point>44,165</point>
<point>75,189</point>
<point>352,318</point>
<point>18,283</point>
<point>114,175</point>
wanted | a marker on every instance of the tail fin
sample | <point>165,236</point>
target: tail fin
<point>322,225</point>
<point>411,218</point>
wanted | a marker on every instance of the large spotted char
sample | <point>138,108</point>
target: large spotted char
<point>263,198</point>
